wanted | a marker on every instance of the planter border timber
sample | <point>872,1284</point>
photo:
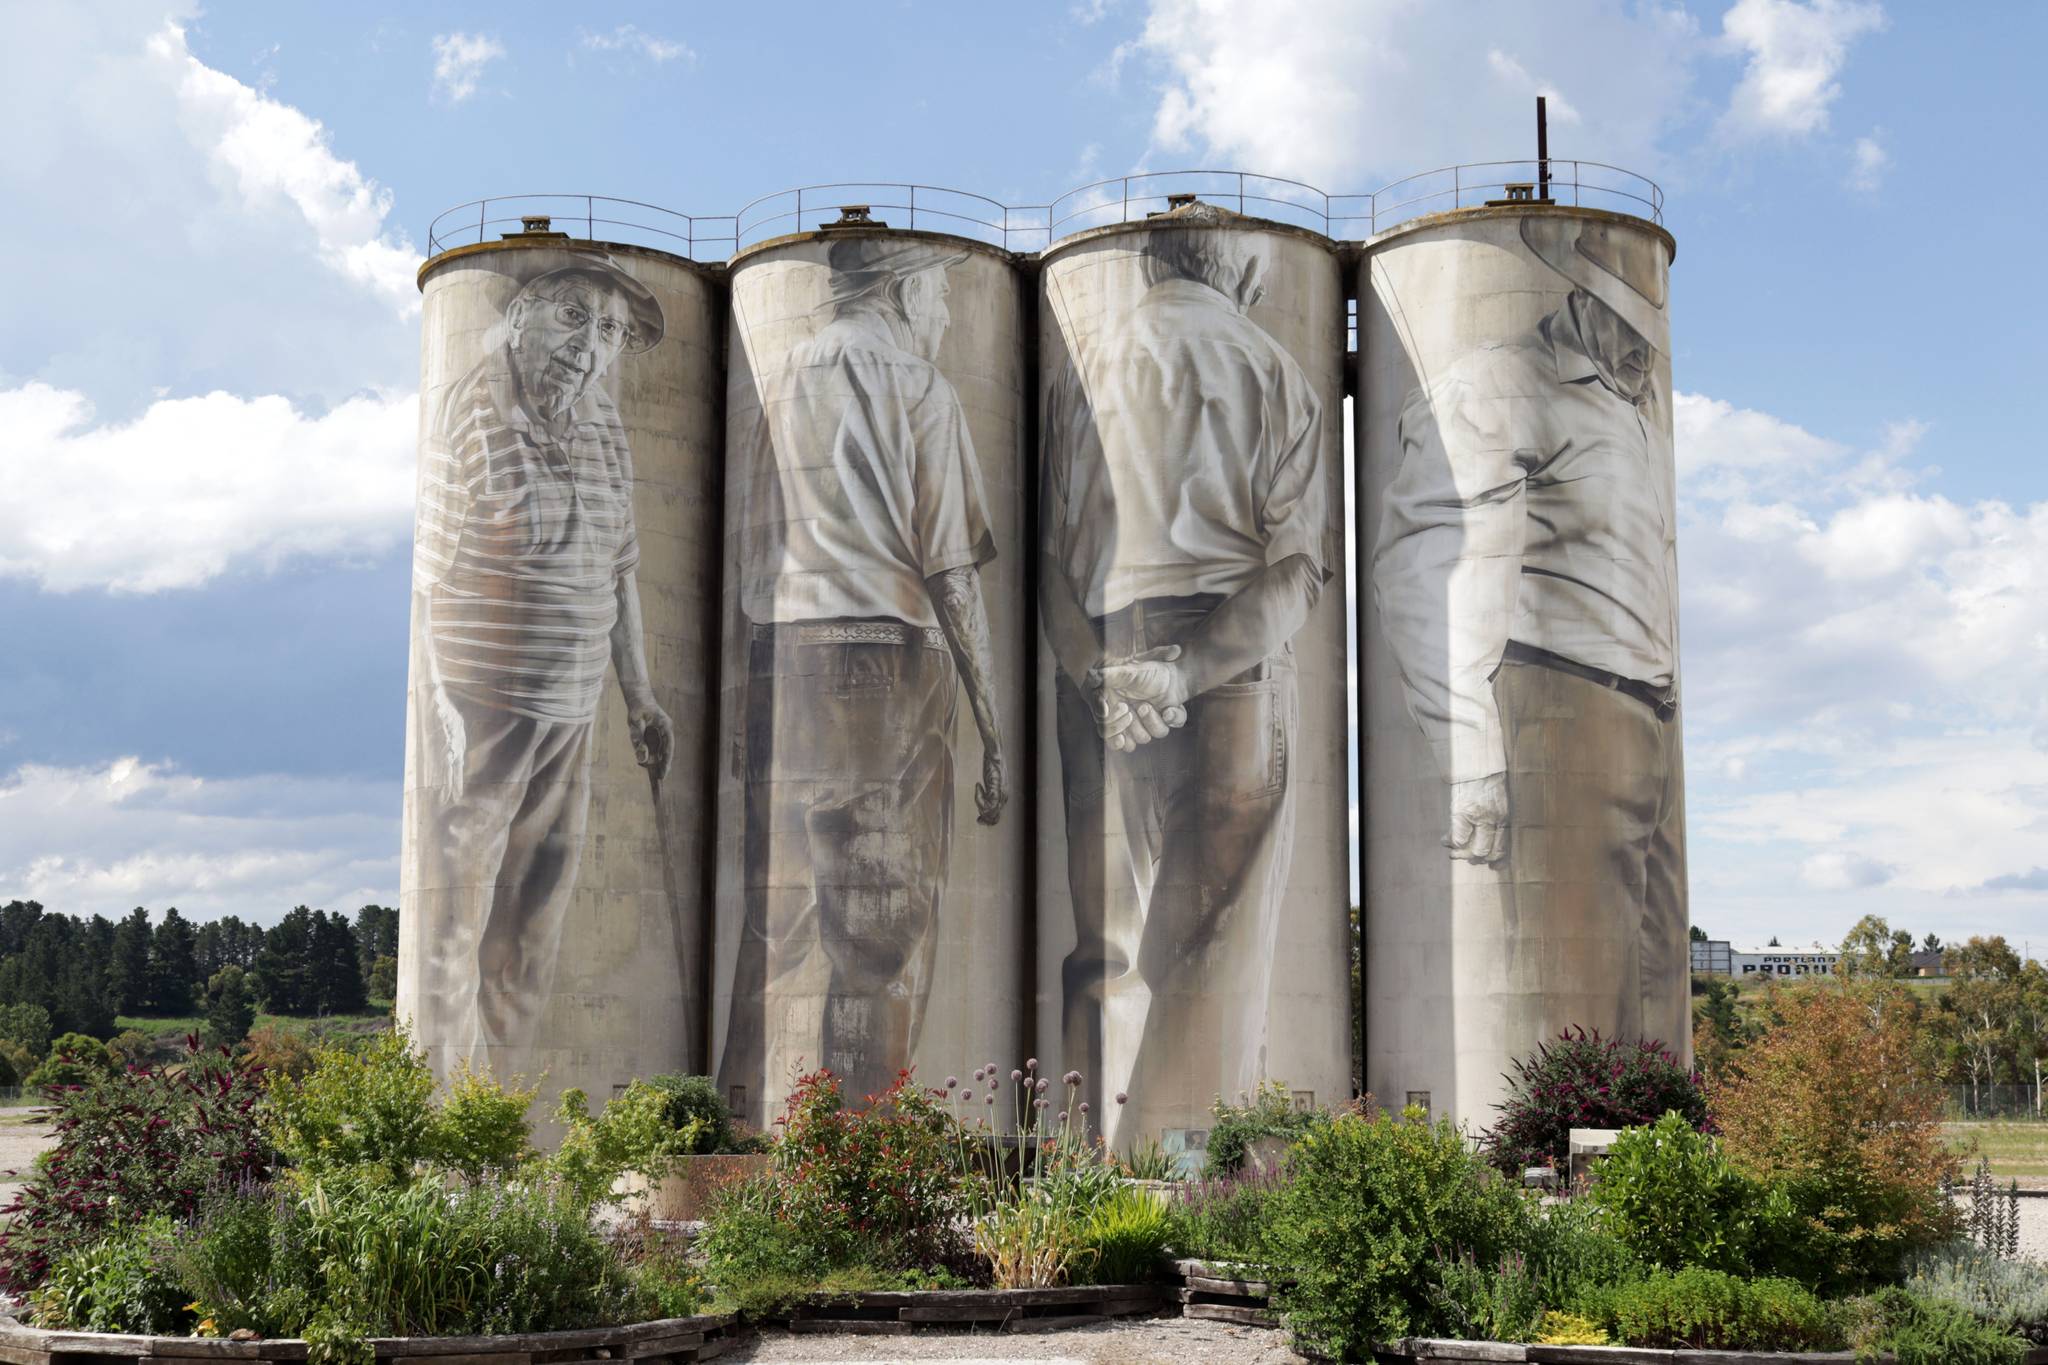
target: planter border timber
<point>1225,1291</point>
<point>899,1312</point>
<point>681,1340</point>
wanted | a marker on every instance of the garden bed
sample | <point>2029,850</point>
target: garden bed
<point>1223,1292</point>
<point>894,1313</point>
<point>678,1340</point>
<point>1428,1348</point>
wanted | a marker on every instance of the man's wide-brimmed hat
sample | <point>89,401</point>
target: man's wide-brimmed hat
<point>1622,267</point>
<point>648,324</point>
<point>861,265</point>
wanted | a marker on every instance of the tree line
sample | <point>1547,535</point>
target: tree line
<point>1984,1025</point>
<point>84,972</point>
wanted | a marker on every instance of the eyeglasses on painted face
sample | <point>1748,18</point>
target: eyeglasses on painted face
<point>613,331</point>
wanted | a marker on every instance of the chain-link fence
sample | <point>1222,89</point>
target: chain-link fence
<point>1995,1102</point>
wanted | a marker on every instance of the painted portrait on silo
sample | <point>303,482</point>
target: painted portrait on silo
<point>863,545</point>
<point>1190,487</point>
<point>1524,567</point>
<point>537,873</point>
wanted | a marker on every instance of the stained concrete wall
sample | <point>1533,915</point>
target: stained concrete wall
<point>553,914</point>
<point>1524,862</point>
<point>873,891</point>
<point>1192,887</point>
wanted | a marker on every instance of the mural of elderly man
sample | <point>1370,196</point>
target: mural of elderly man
<point>1527,583</point>
<point>1183,508</point>
<point>524,590</point>
<point>865,529</point>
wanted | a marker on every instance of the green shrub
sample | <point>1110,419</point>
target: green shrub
<point>1712,1310</point>
<point>1923,1331</point>
<point>75,1059</point>
<point>1502,1302</point>
<point>1569,1329</point>
<point>746,1239</point>
<point>693,1104</point>
<point>27,1026</point>
<point>1147,1160</point>
<point>1372,1209</point>
<point>116,1285</point>
<point>353,1253</point>
<point>1224,1220</point>
<point>1126,1236</point>
<point>481,1125</point>
<point>129,1145</point>
<point>1574,1256</point>
<point>1669,1192</point>
<point>1585,1081</point>
<point>372,1107</point>
<point>666,1281</point>
<point>1235,1127</point>
<point>631,1133</point>
<point>2010,1295</point>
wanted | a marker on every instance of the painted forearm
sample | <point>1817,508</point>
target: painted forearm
<point>956,598</point>
<point>629,642</point>
<point>1065,621</point>
<point>1252,623</point>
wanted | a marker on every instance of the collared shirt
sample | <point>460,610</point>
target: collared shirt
<point>861,481</point>
<point>520,543</point>
<point>1183,457</point>
<point>1534,503</point>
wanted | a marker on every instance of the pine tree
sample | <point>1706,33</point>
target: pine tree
<point>337,965</point>
<point>284,968</point>
<point>230,1008</point>
<point>173,965</point>
<point>128,972</point>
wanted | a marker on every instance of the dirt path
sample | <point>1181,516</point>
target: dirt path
<point>21,1141</point>
<point>1132,1342</point>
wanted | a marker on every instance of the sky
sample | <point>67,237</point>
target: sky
<point>209,351</point>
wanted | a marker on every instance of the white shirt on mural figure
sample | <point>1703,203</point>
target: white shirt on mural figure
<point>1191,455</point>
<point>1534,503</point>
<point>863,481</point>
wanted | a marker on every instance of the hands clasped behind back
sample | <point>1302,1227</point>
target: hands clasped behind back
<point>1140,698</point>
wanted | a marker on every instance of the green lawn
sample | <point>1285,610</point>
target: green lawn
<point>2017,1148</point>
<point>178,1025</point>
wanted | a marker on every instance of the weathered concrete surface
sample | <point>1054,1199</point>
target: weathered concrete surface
<point>621,993</point>
<point>1459,433</point>
<point>1219,851</point>
<point>854,867</point>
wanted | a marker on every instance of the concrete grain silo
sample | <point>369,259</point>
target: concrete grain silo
<point>872,861</point>
<point>1524,820</point>
<point>562,661</point>
<point>1193,853</point>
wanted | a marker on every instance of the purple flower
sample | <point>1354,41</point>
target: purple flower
<point>1038,1104</point>
<point>953,1082</point>
<point>1031,1063</point>
<point>1084,1106</point>
<point>967,1094</point>
<point>1042,1083</point>
<point>1122,1098</point>
<point>1072,1078</point>
<point>1016,1076</point>
<point>991,1099</point>
<point>1063,1116</point>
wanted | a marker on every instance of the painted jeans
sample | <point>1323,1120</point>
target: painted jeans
<point>849,827</point>
<point>1596,801</point>
<point>502,865</point>
<point>1192,907</point>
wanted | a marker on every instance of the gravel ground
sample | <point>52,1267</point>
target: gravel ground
<point>1137,1341</point>
<point>20,1144</point>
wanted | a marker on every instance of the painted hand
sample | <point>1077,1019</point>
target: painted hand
<point>1152,685</point>
<point>1479,819</point>
<point>455,741</point>
<point>993,791</point>
<point>653,735</point>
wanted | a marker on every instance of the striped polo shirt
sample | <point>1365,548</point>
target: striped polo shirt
<point>519,544</point>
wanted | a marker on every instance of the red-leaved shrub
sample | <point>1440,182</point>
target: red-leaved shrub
<point>1585,1081</point>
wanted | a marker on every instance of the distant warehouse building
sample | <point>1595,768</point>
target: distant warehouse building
<point>1717,957</point>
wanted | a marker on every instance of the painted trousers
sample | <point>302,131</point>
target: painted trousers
<point>1192,903</point>
<point>849,828</point>
<point>1596,845</point>
<point>502,860</point>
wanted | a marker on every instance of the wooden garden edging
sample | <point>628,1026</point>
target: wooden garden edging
<point>681,1341</point>
<point>1223,1292</point>
<point>898,1312</point>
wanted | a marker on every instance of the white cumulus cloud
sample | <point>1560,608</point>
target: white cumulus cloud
<point>1868,163</point>
<point>196,486</point>
<point>1796,53</point>
<point>101,839</point>
<point>459,62</point>
<point>269,151</point>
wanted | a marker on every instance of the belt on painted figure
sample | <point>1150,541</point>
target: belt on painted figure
<point>868,631</point>
<point>1662,700</point>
